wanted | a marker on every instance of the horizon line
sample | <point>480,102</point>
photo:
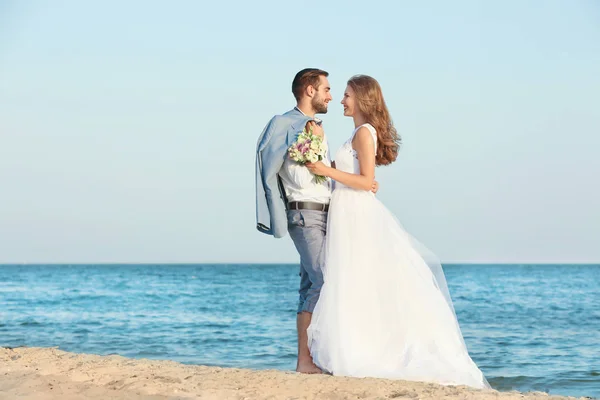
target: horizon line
<point>281,263</point>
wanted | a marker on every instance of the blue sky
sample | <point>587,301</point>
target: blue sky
<point>128,129</point>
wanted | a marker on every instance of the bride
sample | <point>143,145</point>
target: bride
<point>384,310</point>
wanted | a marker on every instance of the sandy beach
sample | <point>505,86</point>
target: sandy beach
<point>49,373</point>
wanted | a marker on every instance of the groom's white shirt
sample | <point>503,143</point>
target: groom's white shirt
<point>299,183</point>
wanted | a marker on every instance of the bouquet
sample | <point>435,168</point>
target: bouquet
<point>308,148</point>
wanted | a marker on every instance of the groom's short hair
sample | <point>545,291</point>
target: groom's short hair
<point>305,78</point>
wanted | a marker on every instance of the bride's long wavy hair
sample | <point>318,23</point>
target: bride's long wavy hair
<point>372,106</point>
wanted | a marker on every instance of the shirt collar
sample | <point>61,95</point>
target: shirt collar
<point>317,120</point>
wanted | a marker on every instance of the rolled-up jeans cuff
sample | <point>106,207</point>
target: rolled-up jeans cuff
<point>308,305</point>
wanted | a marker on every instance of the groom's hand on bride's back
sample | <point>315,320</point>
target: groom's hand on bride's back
<point>375,187</point>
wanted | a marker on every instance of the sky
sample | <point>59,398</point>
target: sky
<point>128,129</point>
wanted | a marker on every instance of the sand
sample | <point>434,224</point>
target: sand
<point>49,373</point>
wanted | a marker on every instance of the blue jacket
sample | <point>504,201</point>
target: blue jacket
<point>279,134</point>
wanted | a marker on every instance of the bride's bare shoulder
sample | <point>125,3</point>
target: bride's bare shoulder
<point>362,136</point>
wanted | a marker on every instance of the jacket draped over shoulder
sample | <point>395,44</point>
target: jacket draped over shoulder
<point>271,150</point>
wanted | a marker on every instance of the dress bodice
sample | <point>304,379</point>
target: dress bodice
<point>346,159</point>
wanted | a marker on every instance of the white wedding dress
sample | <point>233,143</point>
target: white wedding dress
<point>384,310</point>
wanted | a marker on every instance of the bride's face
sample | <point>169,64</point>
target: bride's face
<point>349,102</point>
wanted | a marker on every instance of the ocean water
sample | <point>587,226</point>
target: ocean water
<point>528,327</point>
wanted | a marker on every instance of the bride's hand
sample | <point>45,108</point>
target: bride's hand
<point>318,168</point>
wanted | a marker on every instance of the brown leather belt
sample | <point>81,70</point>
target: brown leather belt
<point>306,205</point>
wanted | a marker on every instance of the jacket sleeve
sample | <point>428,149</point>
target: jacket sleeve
<point>263,220</point>
<point>270,208</point>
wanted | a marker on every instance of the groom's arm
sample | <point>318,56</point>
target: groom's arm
<point>375,187</point>
<point>298,173</point>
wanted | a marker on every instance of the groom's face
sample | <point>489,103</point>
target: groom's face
<point>322,96</point>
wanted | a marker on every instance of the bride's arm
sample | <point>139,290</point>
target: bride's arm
<point>365,152</point>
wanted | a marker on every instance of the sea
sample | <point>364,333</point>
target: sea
<point>528,327</point>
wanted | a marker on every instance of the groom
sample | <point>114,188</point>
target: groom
<point>289,200</point>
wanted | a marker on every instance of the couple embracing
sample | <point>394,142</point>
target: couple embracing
<point>373,301</point>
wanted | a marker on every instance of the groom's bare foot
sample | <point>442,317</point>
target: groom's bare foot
<point>307,367</point>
